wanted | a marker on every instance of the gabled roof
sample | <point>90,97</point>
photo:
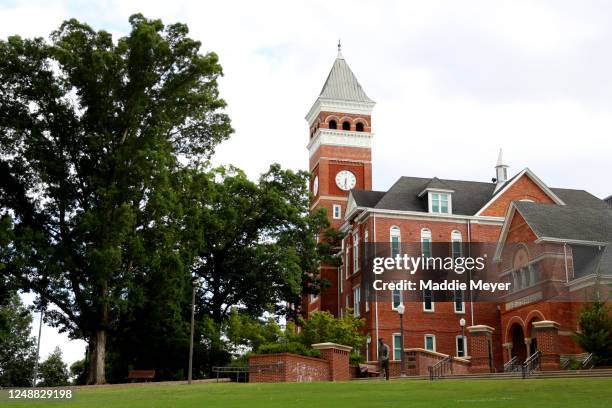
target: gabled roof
<point>564,222</point>
<point>468,196</point>
<point>341,84</point>
<point>436,184</point>
<point>587,230</point>
<point>525,172</point>
<point>366,198</point>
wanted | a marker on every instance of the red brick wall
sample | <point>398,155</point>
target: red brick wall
<point>295,368</point>
<point>322,121</point>
<point>522,189</point>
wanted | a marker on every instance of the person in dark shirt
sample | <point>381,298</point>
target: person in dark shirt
<point>383,357</point>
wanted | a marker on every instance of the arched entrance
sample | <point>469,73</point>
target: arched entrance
<point>533,346</point>
<point>518,342</point>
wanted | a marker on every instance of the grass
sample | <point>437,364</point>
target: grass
<point>549,393</point>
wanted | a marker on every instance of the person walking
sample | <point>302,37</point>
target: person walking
<point>383,357</point>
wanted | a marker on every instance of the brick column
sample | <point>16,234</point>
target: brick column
<point>547,335</point>
<point>338,357</point>
<point>480,346</point>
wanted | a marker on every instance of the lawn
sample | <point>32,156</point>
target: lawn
<point>409,393</point>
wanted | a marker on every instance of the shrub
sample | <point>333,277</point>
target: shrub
<point>288,347</point>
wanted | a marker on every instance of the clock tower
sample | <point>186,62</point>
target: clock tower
<point>340,155</point>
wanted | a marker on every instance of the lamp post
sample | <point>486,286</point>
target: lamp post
<point>193,293</point>
<point>400,310</point>
<point>464,346</point>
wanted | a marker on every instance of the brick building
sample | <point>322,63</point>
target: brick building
<point>423,211</point>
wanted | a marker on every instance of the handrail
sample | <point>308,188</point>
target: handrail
<point>439,369</point>
<point>531,364</point>
<point>512,365</point>
<point>588,361</point>
<point>251,368</point>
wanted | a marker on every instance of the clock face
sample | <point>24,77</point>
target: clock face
<point>315,185</point>
<point>345,180</point>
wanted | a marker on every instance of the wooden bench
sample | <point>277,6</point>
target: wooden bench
<point>368,370</point>
<point>141,375</point>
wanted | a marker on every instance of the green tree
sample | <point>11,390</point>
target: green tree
<point>17,347</point>
<point>323,327</point>
<point>595,335</point>
<point>245,333</point>
<point>53,372</point>
<point>90,133</point>
<point>252,244</point>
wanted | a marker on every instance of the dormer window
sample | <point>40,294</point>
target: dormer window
<point>439,196</point>
<point>439,202</point>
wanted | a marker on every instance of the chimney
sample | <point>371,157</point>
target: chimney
<point>501,172</point>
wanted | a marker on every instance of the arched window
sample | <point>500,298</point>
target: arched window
<point>456,244</point>
<point>395,240</point>
<point>333,124</point>
<point>359,127</point>
<point>426,242</point>
<point>346,126</point>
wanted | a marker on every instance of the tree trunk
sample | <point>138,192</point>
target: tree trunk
<point>96,358</point>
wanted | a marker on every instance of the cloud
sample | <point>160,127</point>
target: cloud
<point>454,81</point>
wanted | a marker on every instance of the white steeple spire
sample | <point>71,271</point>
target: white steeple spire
<point>501,171</point>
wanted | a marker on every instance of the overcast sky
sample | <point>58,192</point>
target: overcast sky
<point>454,81</point>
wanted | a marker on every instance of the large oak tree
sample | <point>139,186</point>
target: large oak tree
<point>90,131</point>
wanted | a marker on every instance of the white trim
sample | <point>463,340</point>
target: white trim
<point>339,208</point>
<point>435,190</point>
<point>449,202</point>
<point>462,311</point>
<point>570,241</point>
<point>393,345</point>
<point>465,349</point>
<point>433,336</point>
<point>401,299</point>
<point>355,248</point>
<point>332,137</point>
<point>433,303</point>
<point>329,198</point>
<point>356,301</point>
<point>533,178</point>
<point>338,106</point>
<point>588,280</point>
<point>395,232</point>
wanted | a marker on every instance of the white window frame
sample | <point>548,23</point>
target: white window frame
<point>433,336</point>
<point>398,335</point>
<point>426,234</point>
<point>465,341</point>
<point>356,300</point>
<point>347,268</point>
<point>337,211</point>
<point>401,299</point>
<point>462,311</point>
<point>456,237</point>
<point>395,232</point>
<point>368,344</point>
<point>440,193</point>
<point>433,304</point>
<point>366,296</point>
<point>356,252</point>
<point>340,270</point>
